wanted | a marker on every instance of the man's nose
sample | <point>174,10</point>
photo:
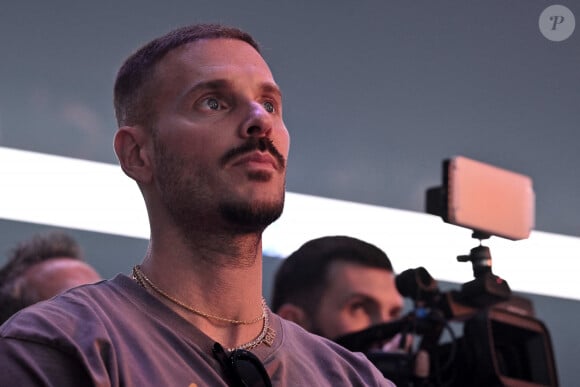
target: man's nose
<point>258,122</point>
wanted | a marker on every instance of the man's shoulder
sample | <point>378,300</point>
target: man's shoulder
<point>84,305</point>
<point>295,335</point>
<point>333,361</point>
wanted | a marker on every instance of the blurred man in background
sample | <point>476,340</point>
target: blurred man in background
<point>40,268</point>
<point>337,285</point>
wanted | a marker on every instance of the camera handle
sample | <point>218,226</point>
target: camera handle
<point>486,289</point>
<point>480,258</point>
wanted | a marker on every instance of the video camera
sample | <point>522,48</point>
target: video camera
<point>502,343</point>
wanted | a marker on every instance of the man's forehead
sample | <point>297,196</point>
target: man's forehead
<point>346,263</point>
<point>56,264</point>
<point>211,60</point>
<point>216,53</point>
<point>353,272</point>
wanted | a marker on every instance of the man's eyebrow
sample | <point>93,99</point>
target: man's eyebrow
<point>271,88</point>
<point>220,84</point>
<point>214,84</point>
<point>360,295</point>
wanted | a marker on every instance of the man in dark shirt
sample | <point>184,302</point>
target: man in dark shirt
<point>201,133</point>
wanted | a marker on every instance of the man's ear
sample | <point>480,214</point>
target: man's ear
<point>133,149</point>
<point>294,313</point>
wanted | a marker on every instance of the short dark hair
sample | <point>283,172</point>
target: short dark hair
<point>132,95</point>
<point>302,277</point>
<point>39,248</point>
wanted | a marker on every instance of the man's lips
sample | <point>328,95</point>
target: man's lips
<point>257,158</point>
<point>255,150</point>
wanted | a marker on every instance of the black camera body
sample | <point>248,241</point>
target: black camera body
<point>506,349</point>
<point>501,342</point>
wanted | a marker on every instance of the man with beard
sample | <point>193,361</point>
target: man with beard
<point>201,132</point>
<point>337,285</point>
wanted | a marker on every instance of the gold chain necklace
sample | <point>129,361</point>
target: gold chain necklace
<point>142,279</point>
<point>266,336</point>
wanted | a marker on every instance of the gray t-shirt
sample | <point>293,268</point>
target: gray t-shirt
<point>115,333</point>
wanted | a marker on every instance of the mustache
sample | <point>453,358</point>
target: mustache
<point>261,144</point>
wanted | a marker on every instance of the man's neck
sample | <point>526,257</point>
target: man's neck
<point>217,276</point>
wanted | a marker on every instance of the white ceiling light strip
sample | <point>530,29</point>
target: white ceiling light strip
<point>92,196</point>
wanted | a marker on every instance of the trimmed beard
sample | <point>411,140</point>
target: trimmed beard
<point>184,196</point>
<point>248,217</point>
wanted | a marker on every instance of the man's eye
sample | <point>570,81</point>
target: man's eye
<point>357,306</point>
<point>269,106</point>
<point>213,103</point>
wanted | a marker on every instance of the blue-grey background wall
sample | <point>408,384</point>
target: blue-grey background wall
<point>376,94</point>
